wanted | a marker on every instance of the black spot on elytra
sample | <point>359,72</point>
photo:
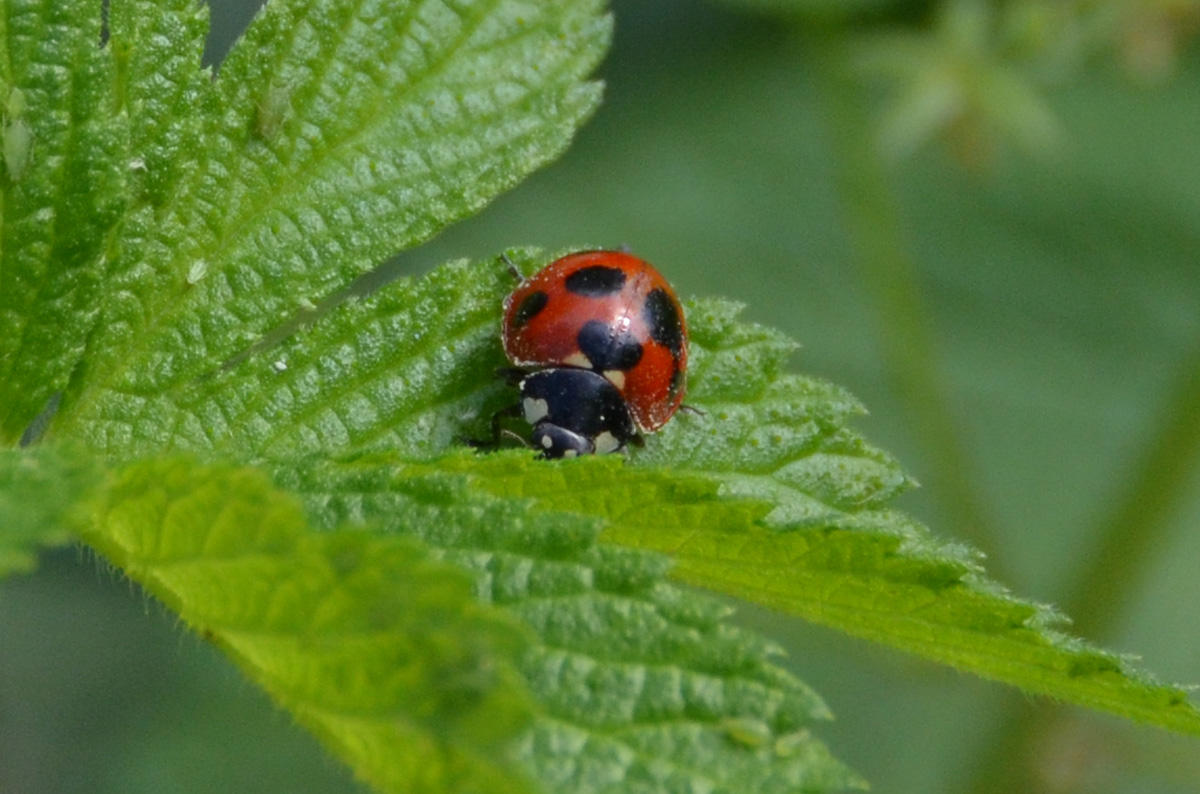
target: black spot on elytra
<point>595,281</point>
<point>606,350</point>
<point>530,307</point>
<point>663,320</point>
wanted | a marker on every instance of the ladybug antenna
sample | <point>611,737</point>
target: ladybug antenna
<point>519,438</point>
<point>512,267</point>
<point>498,432</point>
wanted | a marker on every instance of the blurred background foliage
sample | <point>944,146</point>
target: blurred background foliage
<point>981,217</point>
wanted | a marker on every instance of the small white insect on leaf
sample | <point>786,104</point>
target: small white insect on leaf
<point>197,271</point>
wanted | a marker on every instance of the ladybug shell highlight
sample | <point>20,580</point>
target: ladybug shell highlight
<point>610,312</point>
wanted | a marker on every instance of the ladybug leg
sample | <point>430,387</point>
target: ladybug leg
<point>691,409</point>
<point>638,441</point>
<point>504,413</point>
<point>497,431</point>
<point>520,439</point>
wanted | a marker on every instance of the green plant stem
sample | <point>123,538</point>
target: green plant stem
<point>1128,541</point>
<point>1139,527</point>
<point>887,271</point>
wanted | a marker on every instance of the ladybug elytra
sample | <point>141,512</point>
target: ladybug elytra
<point>599,345</point>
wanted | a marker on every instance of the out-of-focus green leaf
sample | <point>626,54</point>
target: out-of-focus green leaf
<point>40,489</point>
<point>809,10</point>
<point>955,82</point>
<point>376,647</point>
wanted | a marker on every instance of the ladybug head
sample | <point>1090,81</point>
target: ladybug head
<point>575,412</point>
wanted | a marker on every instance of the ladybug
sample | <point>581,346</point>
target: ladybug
<point>599,347</point>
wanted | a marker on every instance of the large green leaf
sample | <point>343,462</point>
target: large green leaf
<point>768,495</point>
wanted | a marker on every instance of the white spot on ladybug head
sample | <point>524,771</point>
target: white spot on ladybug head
<point>547,442</point>
<point>535,410</point>
<point>570,453</point>
<point>616,377</point>
<point>578,360</point>
<point>606,442</point>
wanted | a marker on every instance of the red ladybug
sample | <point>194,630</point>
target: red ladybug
<point>601,344</point>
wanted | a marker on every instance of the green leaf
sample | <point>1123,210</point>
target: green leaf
<point>768,496</point>
<point>193,214</point>
<point>61,194</point>
<point>39,491</point>
<point>376,647</point>
<point>877,576</point>
<point>334,135</point>
<point>643,685</point>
